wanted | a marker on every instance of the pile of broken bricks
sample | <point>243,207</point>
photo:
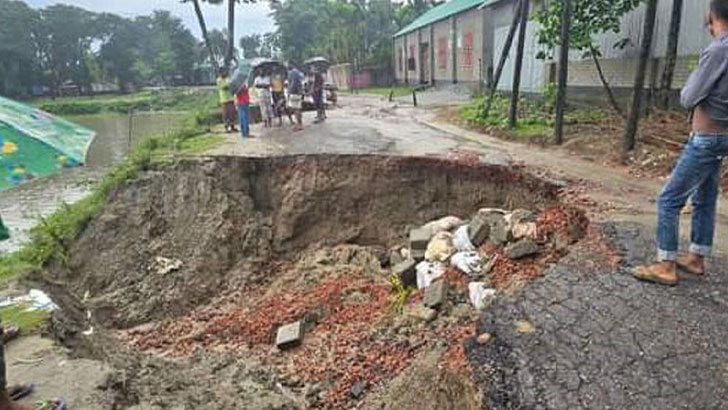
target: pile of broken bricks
<point>451,241</point>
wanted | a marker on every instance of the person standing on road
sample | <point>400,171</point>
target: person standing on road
<point>242,99</point>
<point>265,99</point>
<point>697,173</point>
<point>227,102</point>
<point>279,99</point>
<point>295,95</point>
<point>318,94</point>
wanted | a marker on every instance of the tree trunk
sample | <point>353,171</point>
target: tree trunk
<point>502,62</point>
<point>205,36</point>
<point>605,84</point>
<point>231,34</point>
<point>639,82</point>
<point>663,100</point>
<point>563,72</point>
<point>513,117</point>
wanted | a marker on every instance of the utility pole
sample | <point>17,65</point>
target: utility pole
<point>513,117</point>
<point>504,56</point>
<point>563,72</point>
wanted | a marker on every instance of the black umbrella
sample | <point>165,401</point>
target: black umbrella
<point>318,62</point>
<point>267,66</point>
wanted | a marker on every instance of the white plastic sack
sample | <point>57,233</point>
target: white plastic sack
<point>469,263</point>
<point>445,224</point>
<point>427,272</point>
<point>461,240</point>
<point>481,296</point>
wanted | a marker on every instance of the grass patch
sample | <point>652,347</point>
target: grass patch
<point>535,117</point>
<point>27,319</point>
<point>178,99</point>
<point>398,90</point>
<point>51,237</point>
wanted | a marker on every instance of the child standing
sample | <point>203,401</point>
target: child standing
<point>242,99</point>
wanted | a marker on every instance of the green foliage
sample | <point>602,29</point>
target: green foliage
<point>589,18</point>
<point>61,43</point>
<point>344,32</point>
<point>28,320</point>
<point>400,293</point>
<point>170,100</point>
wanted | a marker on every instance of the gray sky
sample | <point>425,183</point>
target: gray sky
<point>250,18</point>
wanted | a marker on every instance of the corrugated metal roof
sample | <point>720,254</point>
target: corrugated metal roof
<point>438,13</point>
<point>487,3</point>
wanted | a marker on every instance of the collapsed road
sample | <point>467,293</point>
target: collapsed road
<point>259,229</point>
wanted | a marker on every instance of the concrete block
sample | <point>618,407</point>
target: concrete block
<point>418,255</point>
<point>420,313</point>
<point>395,257</point>
<point>419,238</point>
<point>499,233</point>
<point>289,335</point>
<point>407,272</point>
<point>478,230</point>
<point>521,249</point>
<point>436,294</point>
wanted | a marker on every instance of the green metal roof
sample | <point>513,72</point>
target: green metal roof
<point>438,13</point>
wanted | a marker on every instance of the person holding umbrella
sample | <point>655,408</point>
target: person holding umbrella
<point>295,95</point>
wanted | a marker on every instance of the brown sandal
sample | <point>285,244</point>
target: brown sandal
<point>645,273</point>
<point>689,269</point>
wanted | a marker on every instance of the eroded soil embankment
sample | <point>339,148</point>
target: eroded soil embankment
<point>248,230</point>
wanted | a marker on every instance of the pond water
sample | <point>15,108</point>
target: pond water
<point>20,207</point>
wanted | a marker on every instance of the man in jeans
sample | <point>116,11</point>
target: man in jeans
<point>697,173</point>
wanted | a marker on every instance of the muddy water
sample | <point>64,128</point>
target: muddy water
<point>20,207</point>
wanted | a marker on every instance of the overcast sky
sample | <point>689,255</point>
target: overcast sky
<point>249,18</point>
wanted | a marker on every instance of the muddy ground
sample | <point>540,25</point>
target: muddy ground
<point>264,242</point>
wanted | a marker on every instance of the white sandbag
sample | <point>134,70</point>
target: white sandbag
<point>469,263</point>
<point>481,296</point>
<point>445,224</point>
<point>461,240</point>
<point>427,272</point>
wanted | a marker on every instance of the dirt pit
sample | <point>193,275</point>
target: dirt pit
<point>190,270</point>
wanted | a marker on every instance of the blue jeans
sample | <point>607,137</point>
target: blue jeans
<point>696,175</point>
<point>244,116</point>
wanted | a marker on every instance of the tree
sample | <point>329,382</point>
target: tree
<point>18,70</point>
<point>671,55</point>
<point>251,45</point>
<point>504,56</point>
<point>563,72</point>
<point>513,115</point>
<point>589,18</point>
<point>639,82</point>
<point>343,31</point>
<point>63,38</point>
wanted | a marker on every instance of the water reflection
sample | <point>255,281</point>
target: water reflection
<point>21,206</point>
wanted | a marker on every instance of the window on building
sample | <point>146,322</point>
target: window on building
<point>467,51</point>
<point>442,45</point>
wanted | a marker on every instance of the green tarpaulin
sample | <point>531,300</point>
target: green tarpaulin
<point>34,143</point>
<point>4,234</point>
